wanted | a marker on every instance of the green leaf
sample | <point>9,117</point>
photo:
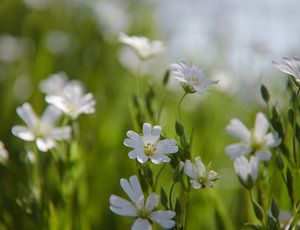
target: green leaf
<point>178,208</point>
<point>290,184</point>
<point>178,174</point>
<point>136,102</point>
<point>166,78</point>
<point>276,122</point>
<point>272,225</point>
<point>291,115</point>
<point>279,161</point>
<point>265,93</point>
<point>274,209</point>
<point>252,226</point>
<point>163,198</point>
<point>179,129</point>
<point>257,210</point>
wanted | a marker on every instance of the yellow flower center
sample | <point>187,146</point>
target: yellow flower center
<point>194,80</point>
<point>143,214</point>
<point>149,149</point>
<point>203,180</point>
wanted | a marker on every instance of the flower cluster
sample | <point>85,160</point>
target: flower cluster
<point>63,96</point>
<point>257,142</point>
<point>68,96</point>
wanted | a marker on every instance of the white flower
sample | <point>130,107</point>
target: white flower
<point>54,84</point>
<point>73,101</point>
<point>149,146</point>
<point>142,46</point>
<point>3,153</point>
<point>139,207</point>
<point>41,130</point>
<point>290,67</point>
<point>200,176</point>
<point>258,142</point>
<point>191,77</point>
<point>247,170</point>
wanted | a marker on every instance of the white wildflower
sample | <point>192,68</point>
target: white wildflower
<point>290,66</point>
<point>191,77</point>
<point>73,101</point>
<point>247,171</point>
<point>142,46</point>
<point>54,84</point>
<point>139,207</point>
<point>257,142</point>
<point>200,176</point>
<point>42,130</point>
<point>149,146</point>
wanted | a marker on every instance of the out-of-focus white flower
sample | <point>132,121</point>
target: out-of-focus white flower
<point>73,101</point>
<point>54,84</point>
<point>42,130</point>
<point>139,207</point>
<point>191,77</point>
<point>200,176</point>
<point>290,66</point>
<point>142,46</point>
<point>258,142</point>
<point>247,171</point>
<point>3,153</point>
<point>111,15</point>
<point>30,157</point>
<point>148,146</point>
<point>58,42</point>
<point>11,48</point>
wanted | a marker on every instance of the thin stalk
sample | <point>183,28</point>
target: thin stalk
<point>294,128</point>
<point>170,196</point>
<point>157,176</point>
<point>179,105</point>
<point>139,81</point>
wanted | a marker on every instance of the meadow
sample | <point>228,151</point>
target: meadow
<point>65,179</point>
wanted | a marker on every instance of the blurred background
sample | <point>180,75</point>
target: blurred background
<point>232,41</point>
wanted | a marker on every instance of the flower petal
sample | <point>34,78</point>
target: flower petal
<point>141,224</point>
<point>237,129</point>
<point>23,132</point>
<point>272,140</point>
<point>147,129</point>
<point>237,150</point>
<point>261,127</point>
<point>63,133</point>
<point>263,155</point>
<point>163,218</point>
<point>51,115</point>
<point>121,206</point>
<point>189,169</point>
<point>44,144</point>
<point>28,115</point>
<point>151,202</point>
<point>132,189</point>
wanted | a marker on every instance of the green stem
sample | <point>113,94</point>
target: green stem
<point>139,81</point>
<point>294,128</point>
<point>170,196</point>
<point>179,104</point>
<point>157,177</point>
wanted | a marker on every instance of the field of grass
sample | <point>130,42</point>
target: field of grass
<point>78,177</point>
